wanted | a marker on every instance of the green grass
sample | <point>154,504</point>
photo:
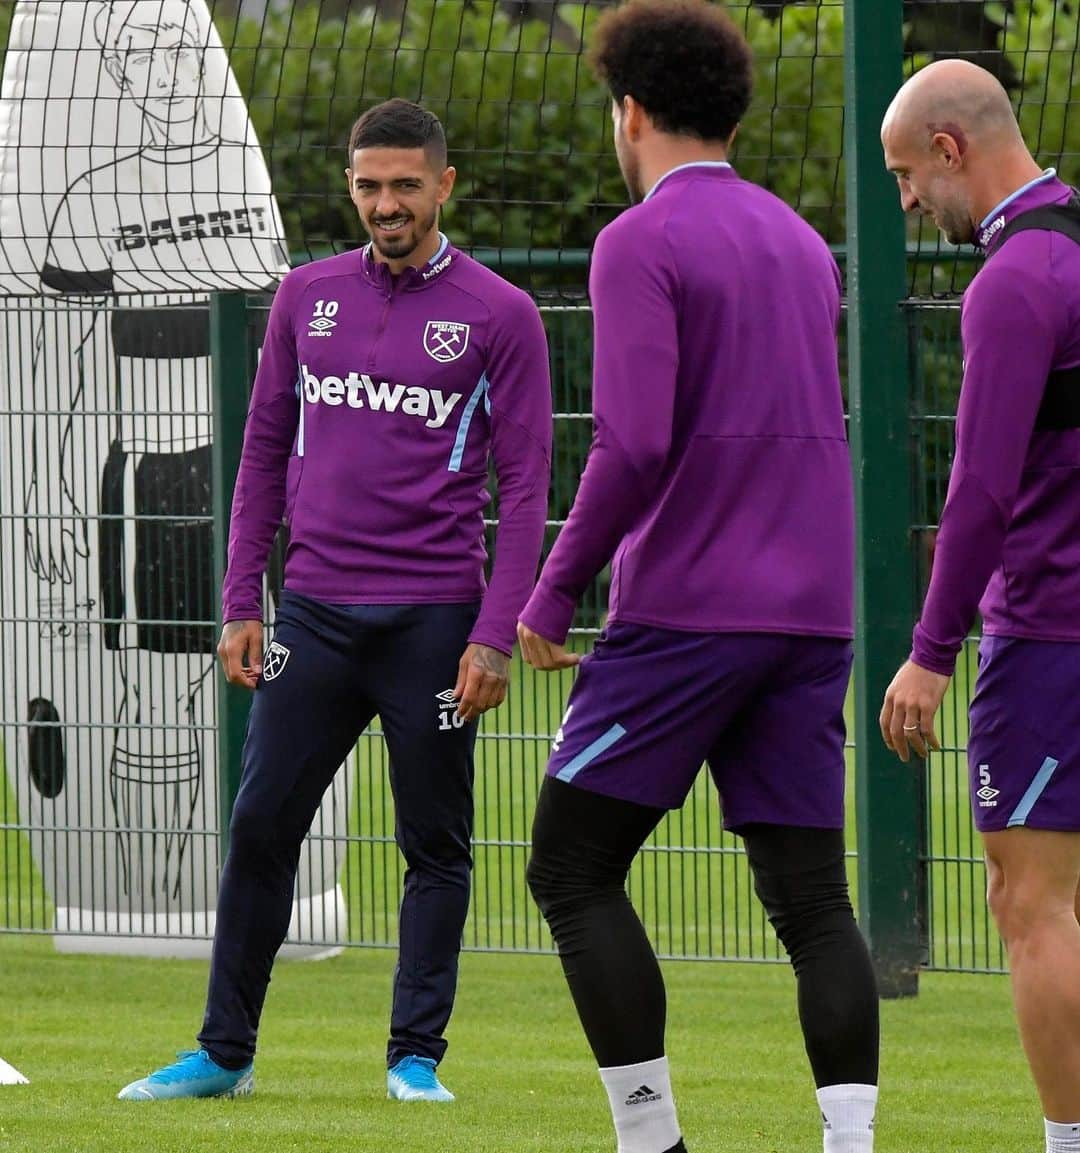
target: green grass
<point>953,1078</point>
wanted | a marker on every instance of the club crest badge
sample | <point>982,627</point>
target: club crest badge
<point>445,340</point>
<point>274,662</point>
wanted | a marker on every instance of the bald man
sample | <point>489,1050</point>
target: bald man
<point>1009,543</point>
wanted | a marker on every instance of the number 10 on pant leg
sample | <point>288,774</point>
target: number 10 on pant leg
<point>447,712</point>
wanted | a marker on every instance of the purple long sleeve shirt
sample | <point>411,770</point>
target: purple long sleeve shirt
<point>719,474</point>
<point>377,405</point>
<point>1009,538</point>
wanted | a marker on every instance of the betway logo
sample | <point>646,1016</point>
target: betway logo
<point>358,390</point>
<point>990,231</point>
<point>435,269</point>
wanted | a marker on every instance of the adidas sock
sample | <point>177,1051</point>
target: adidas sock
<point>848,1114</point>
<point>1062,1137</point>
<point>642,1106</point>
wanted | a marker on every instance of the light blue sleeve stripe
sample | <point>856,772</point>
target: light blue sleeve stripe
<point>1034,792</point>
<point>300,398</point>
<point>587,755</point>
<point>466,420</point>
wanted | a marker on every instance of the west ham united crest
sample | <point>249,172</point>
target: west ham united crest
<point>275,660</point>
<point>445,340</point>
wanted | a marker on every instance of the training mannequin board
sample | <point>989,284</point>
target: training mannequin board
<point>131,185</point>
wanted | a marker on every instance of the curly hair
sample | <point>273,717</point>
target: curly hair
<point>400,124</point>
<point>684,61</point>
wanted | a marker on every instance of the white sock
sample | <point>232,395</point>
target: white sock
<point>848,1114</point>
<point>1062,1137</point>
<point>642,1106</point>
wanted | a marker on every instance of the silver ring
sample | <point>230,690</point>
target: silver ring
<point>911,728</point>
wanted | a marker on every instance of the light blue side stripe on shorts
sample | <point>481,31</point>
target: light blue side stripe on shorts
<point>1034,792</point>
<point>589,754</point>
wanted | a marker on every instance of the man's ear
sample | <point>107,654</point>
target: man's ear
<point>446,184</point>
<point>944,145</point>
<point>634,119</point>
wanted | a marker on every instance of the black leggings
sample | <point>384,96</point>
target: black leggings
<point>583,845</point>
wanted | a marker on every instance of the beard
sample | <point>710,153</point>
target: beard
<point>405,242</point>
<point>631,173</point>
<point>956,227</point>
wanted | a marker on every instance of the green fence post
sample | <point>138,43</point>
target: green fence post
<point>887,803</point>
<point>230,375</point>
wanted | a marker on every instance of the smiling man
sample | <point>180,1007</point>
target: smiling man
<point>1009,543</point>
<point>389,377</point>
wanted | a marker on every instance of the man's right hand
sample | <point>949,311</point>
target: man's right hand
<point>241,650</point>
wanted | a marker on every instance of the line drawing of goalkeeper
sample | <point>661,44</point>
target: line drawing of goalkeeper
<point>175,209</point>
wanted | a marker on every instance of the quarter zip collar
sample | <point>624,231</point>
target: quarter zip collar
<point>411,279</point>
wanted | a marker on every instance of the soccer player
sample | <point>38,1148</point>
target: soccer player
<point>388,377</point>
<point>1009,543</point>
<point>720,479</point>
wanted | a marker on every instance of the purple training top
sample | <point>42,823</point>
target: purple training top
<point>719,474</point>
<point>376,406</point>
<point>1010,529</point>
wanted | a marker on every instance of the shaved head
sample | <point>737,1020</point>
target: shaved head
<point>951,138</point>
<point>956,97</point>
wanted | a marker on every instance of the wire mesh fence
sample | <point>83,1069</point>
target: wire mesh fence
<point>106,416</point>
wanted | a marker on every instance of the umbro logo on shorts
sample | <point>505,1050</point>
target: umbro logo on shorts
<point>987,793</point>
<point>447,697</point>
<point>274,662</point>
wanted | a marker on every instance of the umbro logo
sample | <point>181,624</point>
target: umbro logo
<point>642,1095</point>
<point>322,322</point>
<point>277,656</point>
<point>987,793</point>
<point>447,697</point>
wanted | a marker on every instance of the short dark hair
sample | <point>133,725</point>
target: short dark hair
<point>400,124</point>
<point>684,61</point>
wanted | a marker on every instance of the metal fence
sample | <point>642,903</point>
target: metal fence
<point>151,867</point>
<point>119,431</point>
<point>119,806</point>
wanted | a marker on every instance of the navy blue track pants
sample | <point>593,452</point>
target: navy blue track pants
<point>345,665</point>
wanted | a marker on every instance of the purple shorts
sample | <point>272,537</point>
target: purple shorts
<point>1024,738</point>
<point>766,712</point>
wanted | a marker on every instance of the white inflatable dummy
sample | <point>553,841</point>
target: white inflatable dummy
<point>131,184</point>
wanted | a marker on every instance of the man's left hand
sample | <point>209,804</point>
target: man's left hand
<point>483,674</point>
<point>907,716</point>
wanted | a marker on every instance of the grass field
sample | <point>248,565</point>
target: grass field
<point>80,1027</point>
<point>953,1079</point>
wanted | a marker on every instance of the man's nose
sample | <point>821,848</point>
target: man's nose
<point>387,204</point>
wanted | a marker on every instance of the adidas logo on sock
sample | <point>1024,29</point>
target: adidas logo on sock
<point>641,1095</point>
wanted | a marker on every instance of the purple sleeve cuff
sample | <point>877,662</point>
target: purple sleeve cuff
<point>239,611</point>
<point>490,638</point>
<point>549,613</point>
<point>933,655</point>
